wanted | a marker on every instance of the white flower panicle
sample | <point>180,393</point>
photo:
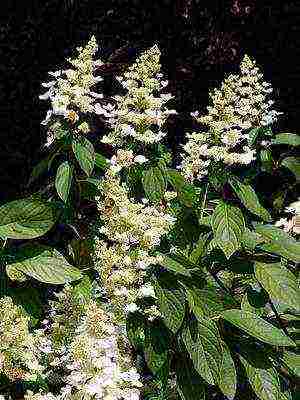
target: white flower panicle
<point>140,114</point>
<point>291,224</point>
<point>127,222</point>
<point>240,104</point>
<point>70,91</point>
<point>19,356</point>
<point>125,159</point>
<point>91,362</point>
<point>134,229</point>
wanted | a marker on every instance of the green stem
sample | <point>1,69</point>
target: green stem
<point>278,318</point>
<point>204,201</point>
<point>221,284</point>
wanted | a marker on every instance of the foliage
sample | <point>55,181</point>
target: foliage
<point>183,285</point>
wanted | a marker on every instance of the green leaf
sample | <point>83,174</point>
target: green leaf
<point>263,378</point>
<point>26,218</point>
<point>287,138</point>
<point>135,329</point>
<point>101,162</point>
<point>202,341</point>
<point>171,301</point>
<point>293,164</point>
<point>279,242</point>
<point>189,384</point>
<point>154,184</point>
<point>200,248</point>
<point>186,192</point>
<point>217,175</point>
<point>171,264</point>
<point>279,282</point>
<point>254,302</point>
<point>251,239</point>
<point>156,347</point>
<point>227,375</point>
<point>29,299</point>
<point>267,161</point>
<point>253,135</point>
<point>228,226</point>
<point>249,198</point>
<point>42,263</point>
<point>83,289</point>
<point>292,361</point>
<point>38,170</point>
<point>208,302</point>
<point>85,154</point>
<point>63,180</point>
<point>257,327</point>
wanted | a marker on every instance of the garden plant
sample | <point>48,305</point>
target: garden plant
<point>179,276</point>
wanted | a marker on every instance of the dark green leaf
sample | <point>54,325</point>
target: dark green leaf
<point>154,184</point>
<point>227,375</point>
<point>101,162</point>
<point>293,164</point>
<point>217,175</point>
<point>253,135</point>
<point>200,248</point>
<point>156,347</point>
<point>208,302</point>
<point>257,327</point>
<point>292,361</point>
<point>171,301</point>
<point>287,138</point>
<point>190,386</point>
<point>63,180</point>
<point>26,218</point>
<point>186,192</point>
<point>228,226</point>
<point>279,282</point>
<point>42,263</point>
<point>263,379</point>
<point>267,161</point>
<point>29,299</point>
<point>135,329</point>
<point>171,264</point>
<point>249,198</point>
<point>85,154</point>
<point>254,302</point>
<point>279,242</point>
<point>203,343</point>
<point>38,170</point>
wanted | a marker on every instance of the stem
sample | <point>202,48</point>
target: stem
<point>221,284</point>
<point>279,320</point>
<point>204,201</point>
<point>4,244</point>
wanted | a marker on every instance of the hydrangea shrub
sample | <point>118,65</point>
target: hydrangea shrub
<point>185,284</point>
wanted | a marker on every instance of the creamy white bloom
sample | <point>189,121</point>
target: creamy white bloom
<point>240,104</point>
<point>139,115</point>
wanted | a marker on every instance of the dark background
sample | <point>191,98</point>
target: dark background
<point>200,41</point>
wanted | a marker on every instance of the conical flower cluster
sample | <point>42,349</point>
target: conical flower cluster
<point>89,358</point>
<point>19,358</point>
<point>239,105</point>
<point>133,230</point>
<point>70,91</point>
<point>140,114</point>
